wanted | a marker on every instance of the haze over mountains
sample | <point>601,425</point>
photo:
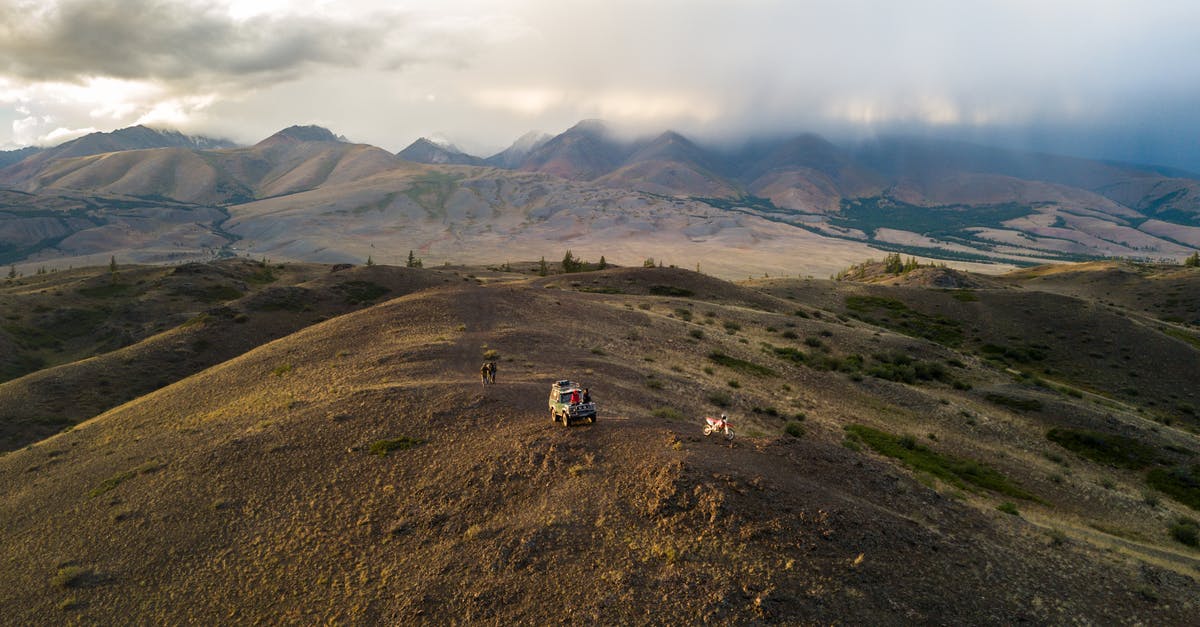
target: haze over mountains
<point>790,205</point>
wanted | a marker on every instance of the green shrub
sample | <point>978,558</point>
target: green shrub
<point>684,314</point>
<point>897,316</point>
<point>670,290</point>
<point>953,470</point>
<point>1008,508</point>
<point>697,333</point>
<point>654,384</point>
<point>720,399</point>
<point>789,353</point>
<point>1020,404</point>
<point>72,577</point>
<point>1186,531</point>
<point>667,413</point>
<point>1179,483</point>
<point>794,429</point>
<point>733,383</point>
<point>361,292</point>
<point>402,443</point>
<point>1104,448</point>
<point>279,371</point>
<point>904,369</point>
<point>731,327</point>
<point>108,290</point>
<point>741,365</point>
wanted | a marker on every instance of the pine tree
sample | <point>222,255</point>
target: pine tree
<point>649,262</point>
<point>112,268</point>
<point>603,264</point>
<point>413,261</point>
<point>892,264</point>
<point>12,271</point>
<point>543,269</point>
<point>570,263</point>
<point>370,262</point>
<point>1193,261</point>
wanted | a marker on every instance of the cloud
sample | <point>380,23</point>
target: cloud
<point>483,72</point>
<point>189,44</point>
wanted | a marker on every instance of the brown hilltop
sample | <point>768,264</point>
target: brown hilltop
<point>249,492</point>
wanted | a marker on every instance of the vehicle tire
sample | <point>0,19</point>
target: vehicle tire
<point>566,418</point>
<point>591,420</point>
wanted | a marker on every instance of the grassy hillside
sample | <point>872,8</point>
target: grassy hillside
<point>357,471</point>
<point>87,340</point>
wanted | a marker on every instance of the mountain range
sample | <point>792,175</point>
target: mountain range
<point>793,204</point>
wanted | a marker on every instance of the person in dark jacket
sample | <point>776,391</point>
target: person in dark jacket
<point>587,396</point>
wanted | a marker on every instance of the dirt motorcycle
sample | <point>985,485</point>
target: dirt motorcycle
<point>718,425</point>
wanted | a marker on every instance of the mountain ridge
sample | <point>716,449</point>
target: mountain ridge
<point>933,199</point>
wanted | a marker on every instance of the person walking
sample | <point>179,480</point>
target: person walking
<point>484,371</point>
<point>491,372</point>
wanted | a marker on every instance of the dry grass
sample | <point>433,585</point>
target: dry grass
<point>773,527</point>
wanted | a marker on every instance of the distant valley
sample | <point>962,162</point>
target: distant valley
<point>797,205</point>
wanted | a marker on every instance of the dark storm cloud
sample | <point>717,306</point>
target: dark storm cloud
<point>168,40</point>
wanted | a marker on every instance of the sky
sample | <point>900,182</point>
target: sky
<point>1111,79</point>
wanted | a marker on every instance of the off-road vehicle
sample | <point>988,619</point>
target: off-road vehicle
<point>561,408</point>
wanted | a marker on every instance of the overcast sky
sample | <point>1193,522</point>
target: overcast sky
<point>1112,79</point>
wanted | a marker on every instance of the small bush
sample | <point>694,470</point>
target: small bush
<point>790,335</point>
<point>697,333</point>
<point>794,429</point>
<point>733,383</point>
<point>402,443</point>
<point>1105,448</point>
<point>1186,531</point>
<point>121,477</point>
<point>279,371</point>
<point>953,470</point>
<point>1179,483</point>
<point>71,577</point>
<point>596,350</point>
<point>670,290</point>
<point>1021,404</point>
<point>731,327</point>
<point>741,365</point>
<point>1008,508</point>
<point>654,384</point>
<point>667,413</point>
<point>720,399</point>
<point>684,314</point>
